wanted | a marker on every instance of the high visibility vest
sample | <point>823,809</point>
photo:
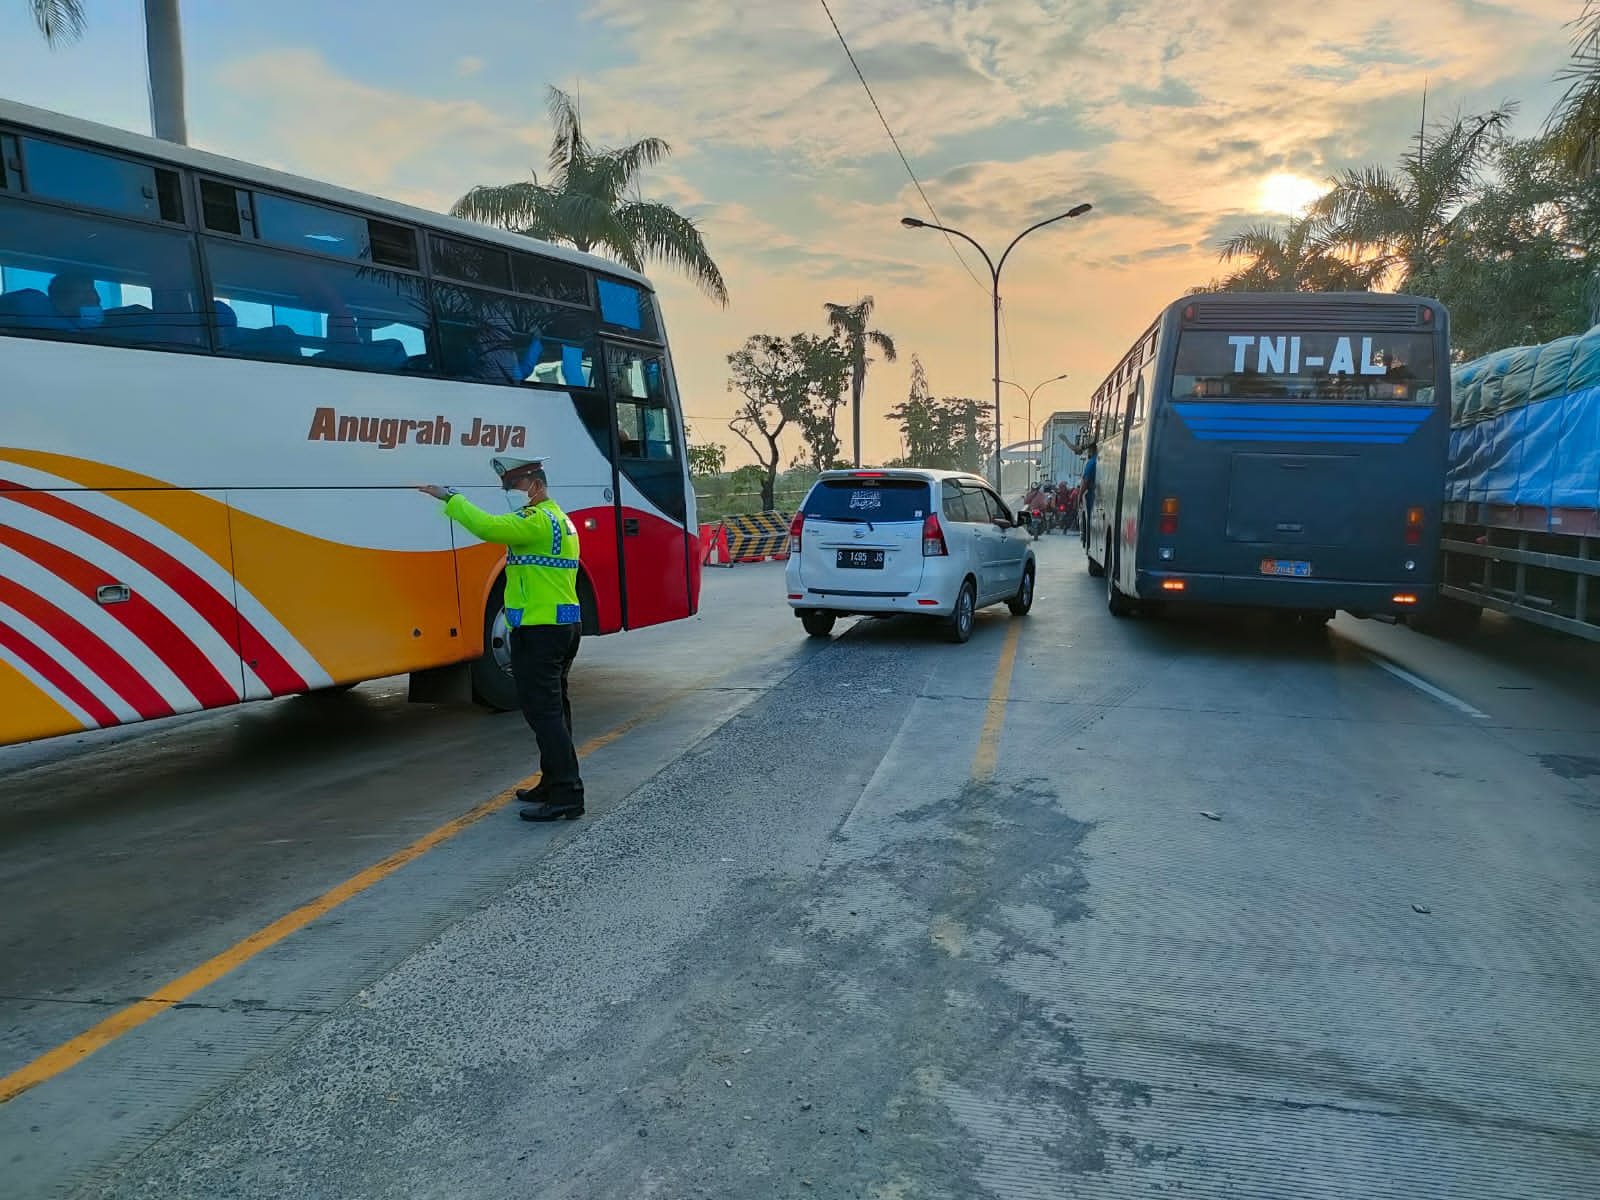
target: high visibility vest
<point>541,559</point>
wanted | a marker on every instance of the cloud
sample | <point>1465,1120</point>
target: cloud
<point>288,107</point>
<point>468,66</point>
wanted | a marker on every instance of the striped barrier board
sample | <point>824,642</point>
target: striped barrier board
<point>757,537</point>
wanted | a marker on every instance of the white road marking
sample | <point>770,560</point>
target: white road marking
<point>1428,689</point>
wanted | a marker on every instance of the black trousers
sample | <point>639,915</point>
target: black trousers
<point>541,658</point>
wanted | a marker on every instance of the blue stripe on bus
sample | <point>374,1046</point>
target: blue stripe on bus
<point>1303,412</point>
<point>1298,426</point>
<point>1228,435</point>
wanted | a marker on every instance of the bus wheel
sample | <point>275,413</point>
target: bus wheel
<point>1118,601</point>
<point>492,684</point>
<point>1095,569</point>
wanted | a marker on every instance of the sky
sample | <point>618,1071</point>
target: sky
<point>1179,120</point>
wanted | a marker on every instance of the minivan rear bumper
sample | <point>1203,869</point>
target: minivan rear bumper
<point>935,595</point>
<point>1253,591</point>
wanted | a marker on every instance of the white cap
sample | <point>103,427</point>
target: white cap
<point>508,466</point>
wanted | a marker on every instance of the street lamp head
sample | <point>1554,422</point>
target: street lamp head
<point>913,223</point>
<point>1079,211</point>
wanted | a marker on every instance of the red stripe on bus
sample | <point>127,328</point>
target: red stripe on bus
<point>270,666</point>
<point>144,620</point>
<point>100,658</point>
<point>57,676</point>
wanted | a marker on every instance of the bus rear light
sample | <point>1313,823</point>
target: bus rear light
<point>796,524</point>
<point>1169,515</point>
<point>1173,585</point>
<point>1414,518</point>
<point>1404,598</point>
<point>933,545</point>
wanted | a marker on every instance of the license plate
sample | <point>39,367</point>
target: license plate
<point>864,560</point>
<point>1284,566</point>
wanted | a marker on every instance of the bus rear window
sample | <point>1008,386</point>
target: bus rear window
<point>1348,366</point>
<point>868,500</point>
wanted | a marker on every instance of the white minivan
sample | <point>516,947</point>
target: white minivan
<point>878,543</point>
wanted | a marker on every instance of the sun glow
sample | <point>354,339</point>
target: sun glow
<point>1288,194</point>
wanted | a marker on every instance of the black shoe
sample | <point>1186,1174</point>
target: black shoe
<point>534,795</point>
<point>554,810</point>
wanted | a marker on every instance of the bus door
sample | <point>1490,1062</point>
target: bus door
<point>1119,571</point>
<point>652,504</point>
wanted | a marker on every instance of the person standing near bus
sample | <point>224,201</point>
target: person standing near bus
<point>541,606</point>
<point>1086,489</point>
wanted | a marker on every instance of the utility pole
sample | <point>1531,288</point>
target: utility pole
<point>163,41</point>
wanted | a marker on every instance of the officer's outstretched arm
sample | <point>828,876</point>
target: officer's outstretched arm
<point>503,529</point>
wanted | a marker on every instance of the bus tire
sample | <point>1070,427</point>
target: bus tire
<point>1096,570</point>
<point>1118,602</point>
<point>492,684</point>
<point>1447,617</point>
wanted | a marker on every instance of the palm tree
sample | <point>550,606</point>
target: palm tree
<point>1574,126</point>
<point>585,204</point>
<point>1405,219</point>
<point>849,324</point>
<point>1296,257</point>
<point>63,21</point>
<point>60,21</point>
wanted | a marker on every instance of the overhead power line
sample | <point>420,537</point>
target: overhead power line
<point>895,142</point>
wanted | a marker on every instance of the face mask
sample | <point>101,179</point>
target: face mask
<point>91,315</point>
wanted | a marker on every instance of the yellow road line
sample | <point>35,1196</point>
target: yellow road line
<point>70,1053</point>
<point>995,718</point>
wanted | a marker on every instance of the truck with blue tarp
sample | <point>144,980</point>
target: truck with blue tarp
<point>1521,531</point>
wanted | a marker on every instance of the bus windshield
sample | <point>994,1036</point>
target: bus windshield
<point>1342,366</point>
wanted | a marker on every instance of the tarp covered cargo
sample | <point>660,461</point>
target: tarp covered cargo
<point>1525,426</point>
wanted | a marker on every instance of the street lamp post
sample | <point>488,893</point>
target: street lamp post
<point>994,277</point>
<point>1028,392</point>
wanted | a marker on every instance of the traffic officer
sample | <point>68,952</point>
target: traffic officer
<point>541,606</point>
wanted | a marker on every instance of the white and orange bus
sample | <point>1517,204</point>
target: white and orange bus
<point>219,385</point>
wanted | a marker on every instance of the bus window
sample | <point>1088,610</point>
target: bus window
<point>286,307</point>
<point>101,181</point>
<point>500,339</point>
<point>1345,367</point>
<point>550,280</point>
<point>625,306</point>
<point>97,280</point>
<point>10,164</point>
<point>470,262</point>
<point>644,425</point>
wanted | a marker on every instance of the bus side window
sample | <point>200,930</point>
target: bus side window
<point>97,279</point>
<point>287,307</point>
<point>494,338</point>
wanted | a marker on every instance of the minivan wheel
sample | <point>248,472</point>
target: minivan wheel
<point>818,624</point>
<point>958,626</point>
<point>1023,600</point>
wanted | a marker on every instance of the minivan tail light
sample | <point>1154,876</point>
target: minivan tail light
<point>933,545</point>
<point>796,524</point>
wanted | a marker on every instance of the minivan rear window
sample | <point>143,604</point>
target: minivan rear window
<point>868,500</point>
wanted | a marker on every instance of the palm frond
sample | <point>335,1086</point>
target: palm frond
<point>60,21</point>
<point>1254,241</point>
<point>611,171</point>
<point>506,206</point>
<point>661,233</point>
<point>884,343</point>
<point>569,146</point>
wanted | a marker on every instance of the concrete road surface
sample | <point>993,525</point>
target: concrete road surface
<point>1082,908</point>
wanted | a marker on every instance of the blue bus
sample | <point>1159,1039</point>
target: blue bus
<point>1280,451</point>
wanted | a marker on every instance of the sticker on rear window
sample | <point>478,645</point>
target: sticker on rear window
<point>864,500</point>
